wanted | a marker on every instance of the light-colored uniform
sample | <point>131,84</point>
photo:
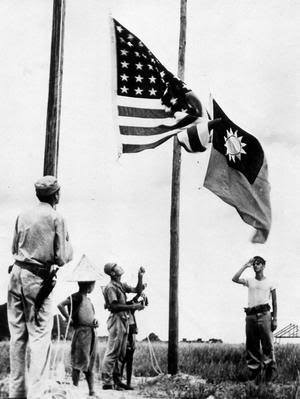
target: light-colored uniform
<point>117,325</point>
<point>258,324</point>
<point>40,240</point>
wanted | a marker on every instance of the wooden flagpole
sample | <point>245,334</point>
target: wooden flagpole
<point>55,87</point>
<point>174,218</point>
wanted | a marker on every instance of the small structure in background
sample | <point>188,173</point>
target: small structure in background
<point>152,337</point>
<point>200,341</point>
<point>289,331</point>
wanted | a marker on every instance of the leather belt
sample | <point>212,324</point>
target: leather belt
<point>40,271</point>
<point>257,309</point>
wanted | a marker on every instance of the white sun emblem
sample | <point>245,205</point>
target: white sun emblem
<point>234,145</point>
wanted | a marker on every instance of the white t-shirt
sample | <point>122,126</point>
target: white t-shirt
<point>259,291</point>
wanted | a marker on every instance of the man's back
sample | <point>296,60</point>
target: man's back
<point>40,237</point>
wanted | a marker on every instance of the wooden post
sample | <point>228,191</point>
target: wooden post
<point>55,86</point>
<point>174,219</point>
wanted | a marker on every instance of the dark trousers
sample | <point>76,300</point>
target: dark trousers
<point>128,361</point>
<point>259,341</point>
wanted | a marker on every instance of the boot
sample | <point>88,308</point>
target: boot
<point>129,371</point>
<point>75,377</point>
<point>89,376</point>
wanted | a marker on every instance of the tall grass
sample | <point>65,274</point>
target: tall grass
<point>215,363</point>
<point>4,359</point>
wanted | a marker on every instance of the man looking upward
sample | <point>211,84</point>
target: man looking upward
<point>40,241</point>
<point>118,323</point>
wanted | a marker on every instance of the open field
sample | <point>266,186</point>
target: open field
<point>206,370</point>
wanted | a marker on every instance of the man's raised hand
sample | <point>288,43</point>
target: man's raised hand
<point>249,263</point>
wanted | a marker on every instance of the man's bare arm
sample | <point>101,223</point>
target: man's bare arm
<point>274,310</point>
<point>236,278</point>
<point>118,307</point>
<point>138,289</point>
<point>62,308</point>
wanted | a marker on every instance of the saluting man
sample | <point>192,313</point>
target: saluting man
<point>40,241</point>
<point>260,322</point>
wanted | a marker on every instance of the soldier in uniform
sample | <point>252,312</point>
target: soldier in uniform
<point>118,324</point>
<point>40,241</point>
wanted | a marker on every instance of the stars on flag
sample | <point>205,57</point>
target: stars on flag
<point>139,78</point>
<point>138,91</point>
<point>124,77</point>
<point>124,89</point>
<point>152,92</point>
<point>145,76</point>
<point>124,64</point>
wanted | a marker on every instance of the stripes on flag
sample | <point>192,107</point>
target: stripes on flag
<point>147,128</point>
<point>151,102</point>
<point>195,138</point>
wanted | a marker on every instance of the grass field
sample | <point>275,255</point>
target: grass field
<point>222,366</point>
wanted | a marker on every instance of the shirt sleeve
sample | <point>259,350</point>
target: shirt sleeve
<point>14,248</point>
<point>111,295</point>
<point>62,246</point>
<point>244,281</point>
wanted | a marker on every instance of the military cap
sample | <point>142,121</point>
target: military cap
<point>47,185</point>
<point>108,267</point>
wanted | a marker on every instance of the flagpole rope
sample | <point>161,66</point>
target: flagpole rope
<point>57,387</point>
<point>153,359</point>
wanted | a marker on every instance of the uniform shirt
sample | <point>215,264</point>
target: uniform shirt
<point>116,292</point>
<point>259,291</point>
<point>41,237</point>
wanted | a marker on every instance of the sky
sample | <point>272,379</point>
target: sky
<point>246,53</point>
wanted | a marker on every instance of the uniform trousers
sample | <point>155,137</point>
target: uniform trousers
<point>26,380</point>
<point>116,348</point>
<point>259,341</point>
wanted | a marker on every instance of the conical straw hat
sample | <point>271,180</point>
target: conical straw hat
<point>84,271</point>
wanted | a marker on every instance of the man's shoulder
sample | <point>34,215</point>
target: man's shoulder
<point>110,285</point>
<point>40,208</point>
<point>116,286</point>
<point>76,295</point>
<point>270,282</point>
<point>27,211</point>
<point>50,212</point>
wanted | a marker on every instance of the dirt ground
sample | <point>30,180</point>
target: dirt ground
<point>67,391</point>
<point>143,388</point>
<point>171,387</point>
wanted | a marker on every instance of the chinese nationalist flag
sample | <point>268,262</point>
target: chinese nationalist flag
<point>237,172</point>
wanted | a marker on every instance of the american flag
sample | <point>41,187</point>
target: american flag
<point>151,101</point>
